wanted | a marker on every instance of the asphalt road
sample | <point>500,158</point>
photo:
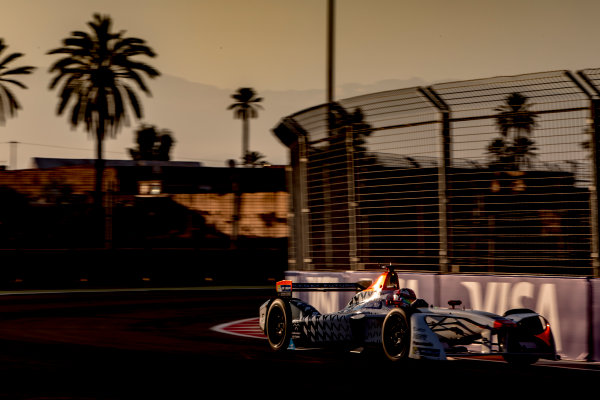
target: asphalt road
<point>160,344</point>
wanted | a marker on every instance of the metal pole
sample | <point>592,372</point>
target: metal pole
<point>595,222</point>
<point>330,99</point>
<point>351,199</point>
<point>307,264</point>
<point>443,170</point>
<point>594,128</point>
<point>330,49</point>
<point>443,193</point>
<point>294,137</point>
<point>13,155</point>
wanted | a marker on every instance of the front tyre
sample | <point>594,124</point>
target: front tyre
<point>279,325</point>
<point>395,335</point>
<point>509,343</point>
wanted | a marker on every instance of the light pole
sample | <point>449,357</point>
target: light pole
<point>330,50</point>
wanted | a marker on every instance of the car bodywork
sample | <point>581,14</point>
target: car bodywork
<point>375,319</point>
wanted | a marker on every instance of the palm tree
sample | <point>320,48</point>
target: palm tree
<point>95,74</point>
<point>516,123</point>
<point>152,144</point>
<point>245,107</point>
<point>8,102</point>
<point>253,158</point>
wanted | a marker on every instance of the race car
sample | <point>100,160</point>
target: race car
<point>393,321</point>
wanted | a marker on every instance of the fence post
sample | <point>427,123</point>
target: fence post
<point>595,153</point>
<point>304,231</point>
<point>352,243</point>
<point>594,190</point>
<point>443,169</point>
<point>293,136</point>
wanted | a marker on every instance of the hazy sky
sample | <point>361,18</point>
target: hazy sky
<point>278,47</point>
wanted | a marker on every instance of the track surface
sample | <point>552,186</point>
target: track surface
<point>162,344</point>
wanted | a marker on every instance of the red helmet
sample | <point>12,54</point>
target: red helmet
<point>405,295</point>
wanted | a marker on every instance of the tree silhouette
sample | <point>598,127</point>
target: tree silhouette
<point>8,102</point>
<point>152,144</point>
<point>253,158</point>
<point>245,107</point>
<point>516,122</point>
<point>95,74</point>
<point>341,121</point>
<point>163,153</point>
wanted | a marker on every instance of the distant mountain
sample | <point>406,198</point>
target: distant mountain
<point>197,115</point>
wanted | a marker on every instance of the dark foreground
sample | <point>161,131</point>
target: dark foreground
<point>159,344</point>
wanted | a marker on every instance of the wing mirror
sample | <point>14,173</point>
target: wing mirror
<point>454,303</point>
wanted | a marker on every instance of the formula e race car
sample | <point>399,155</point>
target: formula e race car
<point>390,319</point>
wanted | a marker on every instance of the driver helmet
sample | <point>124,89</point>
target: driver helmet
<point>405,296</point>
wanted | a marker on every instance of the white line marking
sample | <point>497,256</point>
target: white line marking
<point>244,327</point>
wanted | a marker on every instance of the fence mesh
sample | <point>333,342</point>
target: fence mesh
<point>490,175</point>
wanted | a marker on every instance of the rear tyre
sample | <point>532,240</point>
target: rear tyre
<point>395,335</point>
<point>278,325</point>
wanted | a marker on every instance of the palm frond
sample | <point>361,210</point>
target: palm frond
<point>10,98</point>
<point>133,100</point>
<point>8,101</point>
<point>10,58</point>
<point>14,82</point>
<point>19,71</point>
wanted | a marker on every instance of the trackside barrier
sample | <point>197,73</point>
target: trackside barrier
<point>571,305</point>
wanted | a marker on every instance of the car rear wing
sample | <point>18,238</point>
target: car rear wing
<point>284,288</point>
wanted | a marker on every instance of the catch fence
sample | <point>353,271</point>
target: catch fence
<point>493,175</point>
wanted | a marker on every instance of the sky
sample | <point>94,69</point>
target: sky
<point>207,49</point>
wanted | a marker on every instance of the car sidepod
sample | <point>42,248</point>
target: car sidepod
<point>425,344</point>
